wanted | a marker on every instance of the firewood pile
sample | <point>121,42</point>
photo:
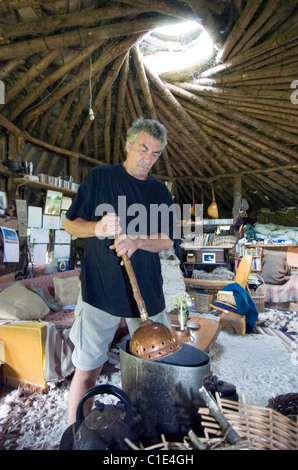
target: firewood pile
<point>231,425</point>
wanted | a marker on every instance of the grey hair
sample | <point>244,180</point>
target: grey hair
<point>152,127</point>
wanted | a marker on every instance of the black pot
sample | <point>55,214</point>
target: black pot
<point>106,426</point>
<point>14,165</point>
<point>166,391</point>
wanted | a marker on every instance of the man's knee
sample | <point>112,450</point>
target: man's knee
<point>87,378</point>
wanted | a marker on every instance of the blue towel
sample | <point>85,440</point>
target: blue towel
<point>245,304</point>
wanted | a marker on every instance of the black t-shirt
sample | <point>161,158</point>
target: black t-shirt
<point>105,283</point>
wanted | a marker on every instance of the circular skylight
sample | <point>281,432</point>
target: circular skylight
<point>176,47</point>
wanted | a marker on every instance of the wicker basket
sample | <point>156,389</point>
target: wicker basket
<point>259,297</point>
<point>201,301</point>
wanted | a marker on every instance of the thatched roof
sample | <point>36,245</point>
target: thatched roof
<point>232,122</point>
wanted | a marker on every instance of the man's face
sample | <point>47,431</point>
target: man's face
<point>142,155</point>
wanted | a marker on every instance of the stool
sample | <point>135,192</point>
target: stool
<point>233,320</point>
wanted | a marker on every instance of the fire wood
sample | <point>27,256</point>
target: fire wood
<point>230,433</point>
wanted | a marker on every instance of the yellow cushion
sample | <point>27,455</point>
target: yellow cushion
<point>19,303</point>
<point>24,351</point>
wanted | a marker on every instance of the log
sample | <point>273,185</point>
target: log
<point>79,106</point>
<point>97,102</point>
<point>248,36</point>
<point>276,44</point>
<point>51,24</point>
<point>180,114</point>
<point>107,126</point>
<point>269,21</point>
<point>242,133</point>
<point>110,51</point>
<point>165,7</point>
<point>61,73</point>
<point>62,116</point>
<point>229,432</point>
<point>35,71</point>
<point>237,198</point>
<point>79,36</point>
<point>120,107</point>
<point>194,145</point>
<point>143,81</point>
<point>245,18</point>
<point>206,19</point>
<point>235,115</point>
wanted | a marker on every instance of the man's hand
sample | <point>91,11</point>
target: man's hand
<point>125,244</point>
<point>108,226</point>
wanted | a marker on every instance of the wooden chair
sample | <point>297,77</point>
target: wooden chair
<point>230,317</point>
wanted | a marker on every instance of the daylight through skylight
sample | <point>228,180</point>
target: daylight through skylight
<point>172,53</point>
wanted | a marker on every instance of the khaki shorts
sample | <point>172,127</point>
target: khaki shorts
<point>93,331</point>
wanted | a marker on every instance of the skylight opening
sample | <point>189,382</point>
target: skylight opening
<point>172,52</point>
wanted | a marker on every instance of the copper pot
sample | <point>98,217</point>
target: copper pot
<point>151,340</point>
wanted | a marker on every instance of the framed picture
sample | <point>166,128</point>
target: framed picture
<point>53,202</point>
<point>208,258</point>
<point>3,202</point>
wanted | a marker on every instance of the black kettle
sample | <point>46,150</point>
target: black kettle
<point>106,426</point>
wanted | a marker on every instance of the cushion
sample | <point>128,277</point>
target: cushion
<point>19,303</point>
<point>275,267</point>
<point>66,290</point>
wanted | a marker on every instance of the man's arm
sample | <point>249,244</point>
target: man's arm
<point>81,228</point>
<point>154,243</point>
<point>108,226</point>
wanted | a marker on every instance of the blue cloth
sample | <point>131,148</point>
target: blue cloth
<point>245,304</point>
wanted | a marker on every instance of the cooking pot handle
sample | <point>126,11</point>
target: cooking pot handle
<point>100,389</point>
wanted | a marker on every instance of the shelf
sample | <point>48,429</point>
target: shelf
<point>207,247</point>
<point>208,222</point>
<point>37,184</point>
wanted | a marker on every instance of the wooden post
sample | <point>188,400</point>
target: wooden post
<point>237,197</point>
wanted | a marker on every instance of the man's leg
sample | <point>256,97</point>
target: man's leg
<point>82,381</point>
<point>92,333</point>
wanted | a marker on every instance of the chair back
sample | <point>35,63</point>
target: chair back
<point>243,271</point>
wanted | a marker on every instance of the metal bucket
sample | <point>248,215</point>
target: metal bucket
<point>165,392</point>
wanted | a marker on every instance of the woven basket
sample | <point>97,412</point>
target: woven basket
<point>201,302</point>
<point>224,240</point>
<point>260,428</point>
<point>259,297</point>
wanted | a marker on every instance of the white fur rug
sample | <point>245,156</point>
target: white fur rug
<point>261,366</point>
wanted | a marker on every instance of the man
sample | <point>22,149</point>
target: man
<point>106,294</point>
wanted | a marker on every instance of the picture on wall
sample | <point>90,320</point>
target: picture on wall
<point>53,202</point>
<point>3,202</point>
<point>209,258</point>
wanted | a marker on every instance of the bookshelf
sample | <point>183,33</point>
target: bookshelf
<point>255,251</point>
